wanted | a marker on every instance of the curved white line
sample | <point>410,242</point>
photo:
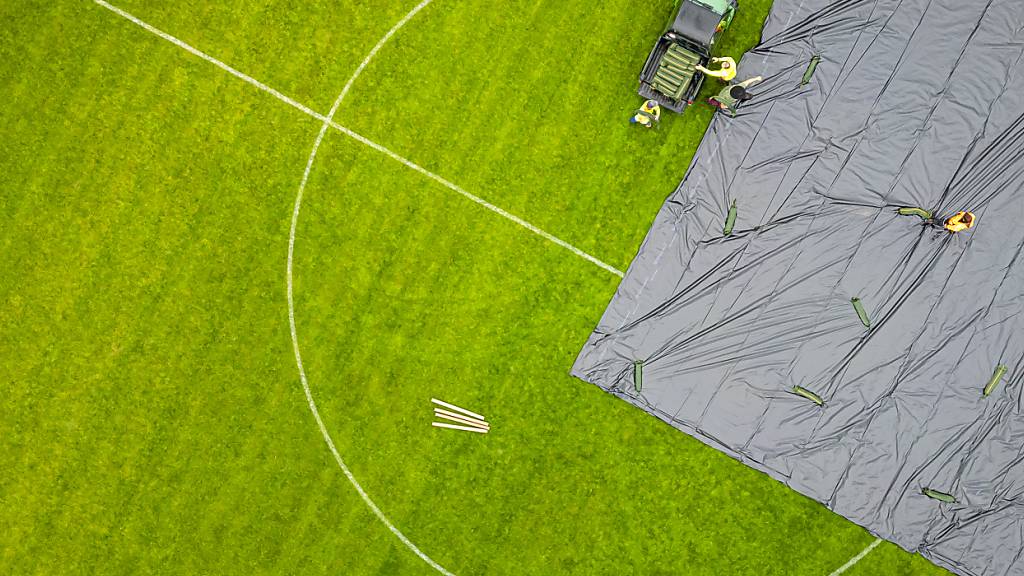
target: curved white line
<point>291,302</point>
<point>857,558</point>
<point>355,136</point>
<point>328,122</point>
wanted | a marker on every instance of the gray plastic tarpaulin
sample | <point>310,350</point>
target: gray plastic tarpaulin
<point>751,341</point>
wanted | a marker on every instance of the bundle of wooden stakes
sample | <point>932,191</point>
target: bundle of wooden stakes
<point>465,420</point>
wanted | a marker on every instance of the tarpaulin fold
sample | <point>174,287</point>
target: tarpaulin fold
<point>913,103</point>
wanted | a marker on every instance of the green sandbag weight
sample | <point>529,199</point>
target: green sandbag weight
<point>940,496</point>
<point>663,87</point>
<point>730,220</point>
<point>811,67</point>
<point>677,68</point>
<point>669,73</point>
<point>669,60</point>
<point>861,313</point>
<point>638,375</point>
<point>912,211</point>
<point>666,81</point>
<point>801,391</point>
<point>994,380</point>
<point>680,59</point>
<point>670,67</point>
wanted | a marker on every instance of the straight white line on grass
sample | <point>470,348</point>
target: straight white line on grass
<point>328,121</point>
<point>211,60</point>
<point>456,188</point>
<point>359,138</point>
<point>857,558</point>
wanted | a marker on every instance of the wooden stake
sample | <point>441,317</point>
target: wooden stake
<point>454,427</point>
<point>460,418</point>
<point>457,409</point>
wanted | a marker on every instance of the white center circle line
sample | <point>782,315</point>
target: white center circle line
<point>328,122</point>
<point>291,301</point>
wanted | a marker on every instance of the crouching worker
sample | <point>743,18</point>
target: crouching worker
<point>729,99</point>
<point>647,115</point>
<point>956,223</point>
<point>959,222</point>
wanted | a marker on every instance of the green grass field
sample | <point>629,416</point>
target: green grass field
<point>153,420</point>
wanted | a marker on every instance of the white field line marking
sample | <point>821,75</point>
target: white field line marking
<point>373,52</point>
<point>328,121</point>
<point>358,137</point>
<point>456,188</point>
<point>454,427</point>
<point>857,558</point>
<point>291,304</point>
<point>457,409</point>
<point>211,60</point>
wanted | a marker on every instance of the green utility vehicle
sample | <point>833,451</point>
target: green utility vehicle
<point>670,76</point>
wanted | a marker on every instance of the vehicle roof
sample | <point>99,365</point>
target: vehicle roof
<point>719,6</point>
<point>696,22</point>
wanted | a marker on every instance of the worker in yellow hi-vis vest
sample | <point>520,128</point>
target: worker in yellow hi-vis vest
<point>727,71</point>
<point>959,222</point>
<point>647,115</point>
